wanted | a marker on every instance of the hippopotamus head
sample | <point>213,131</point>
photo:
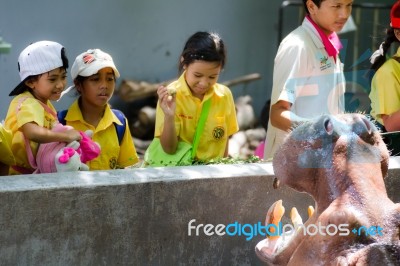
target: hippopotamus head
<point>341,161</point>
<point>329,145</point>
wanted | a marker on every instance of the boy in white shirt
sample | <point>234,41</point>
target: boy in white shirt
<point>308,77</point>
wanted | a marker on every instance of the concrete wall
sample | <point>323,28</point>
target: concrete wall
<point>140,216</point>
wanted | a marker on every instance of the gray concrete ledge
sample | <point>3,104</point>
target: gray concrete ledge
<point>141,216</point>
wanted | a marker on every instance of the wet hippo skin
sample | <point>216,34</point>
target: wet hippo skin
<point>341,161</point>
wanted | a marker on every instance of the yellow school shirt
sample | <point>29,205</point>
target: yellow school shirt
<point>24,108</point>
<point>220,123</point>
<point>112,155</point>
<point>7,156</point>
<point>385,89</point>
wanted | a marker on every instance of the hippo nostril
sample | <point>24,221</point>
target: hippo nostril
<point>362,127</point>
<point>276,183</point>
<point>367,125</point>
<point>328,126</point>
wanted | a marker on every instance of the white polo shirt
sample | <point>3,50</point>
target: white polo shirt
<point>307,77</point>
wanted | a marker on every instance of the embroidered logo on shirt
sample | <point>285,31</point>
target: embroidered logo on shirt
<point>185,116</point>
<point>324,63</point>
<point>218,133</point>
<point>113,163</point>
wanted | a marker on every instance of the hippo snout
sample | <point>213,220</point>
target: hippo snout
<point>341,162</point>
<point>351,125</point>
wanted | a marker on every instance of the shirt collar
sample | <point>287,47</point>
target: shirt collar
<point>331,43</point>
<point>75,114</point>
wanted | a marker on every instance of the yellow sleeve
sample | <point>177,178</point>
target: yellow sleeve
<point>7,156</point>
<point>30,111</point>
<point>385,94</point>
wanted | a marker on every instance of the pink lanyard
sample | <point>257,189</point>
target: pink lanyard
<point>332,43</point>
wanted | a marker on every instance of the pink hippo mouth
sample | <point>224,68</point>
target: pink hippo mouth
<point>341,162</point>
<point>278,236</point>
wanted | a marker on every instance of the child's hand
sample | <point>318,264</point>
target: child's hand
<point>72,134</point>
<point>167,101</point>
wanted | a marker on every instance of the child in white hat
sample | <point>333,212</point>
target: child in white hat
<point>94,74</point>
<point>31,116</point>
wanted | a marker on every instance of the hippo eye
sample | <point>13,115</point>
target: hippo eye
<point>328,126</point>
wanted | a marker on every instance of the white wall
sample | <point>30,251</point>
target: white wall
<point>145,37</point>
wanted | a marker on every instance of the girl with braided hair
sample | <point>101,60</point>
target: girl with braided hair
<point>385,84</point>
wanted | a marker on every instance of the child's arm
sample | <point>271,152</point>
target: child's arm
<point>282,117</point>
<point>40,134</point>
<point>168,138</point>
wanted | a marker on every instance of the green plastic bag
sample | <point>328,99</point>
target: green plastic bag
<point>155,155</point>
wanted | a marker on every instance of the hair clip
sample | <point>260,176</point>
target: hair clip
<point>196,56</point>
<point>376,54</point>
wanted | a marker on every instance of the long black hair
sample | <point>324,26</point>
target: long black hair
<point>379,56</point>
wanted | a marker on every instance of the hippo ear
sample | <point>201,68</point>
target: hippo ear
<point>328,126</point>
